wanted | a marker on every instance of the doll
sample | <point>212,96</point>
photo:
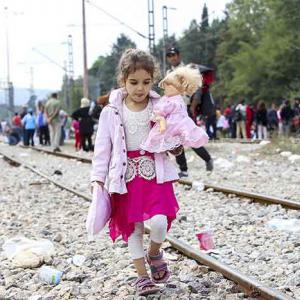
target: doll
<point>173,127</point>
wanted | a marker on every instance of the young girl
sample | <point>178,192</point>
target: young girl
<point>140,183</point>
<point>174,127</point>
<point>75,127</point>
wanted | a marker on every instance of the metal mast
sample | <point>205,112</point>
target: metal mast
<point>70,57</point>
<point>10,87</point>
<point>70,72</point>
<point>151,26</point>
<point>85,70</point>
<point>165,35</point>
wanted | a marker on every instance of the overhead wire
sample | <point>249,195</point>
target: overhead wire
<point>49,59</point>
<point>116,19</point>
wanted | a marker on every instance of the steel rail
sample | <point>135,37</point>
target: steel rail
<point>261,198</point>
<point>236,141</point>
<point>265,199</point>
<point>61,154</point>
<point>250,285</point>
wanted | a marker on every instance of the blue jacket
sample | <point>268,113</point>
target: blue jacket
<point>41,119</point>
<point>29,121</point>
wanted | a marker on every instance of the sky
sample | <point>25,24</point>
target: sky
<point>37,29</point>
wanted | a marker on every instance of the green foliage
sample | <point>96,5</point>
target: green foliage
<point>204,18</point>
<point>32,102</point>
<point>254,50</point>
<point>199,42</point>
<point>258,56</point>
<point>77,93</point>
<point>104,68</point>
<point>102,75</point>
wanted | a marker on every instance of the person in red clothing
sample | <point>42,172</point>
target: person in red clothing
<point>75,126</point>
<point>227,112</point>
<point>16,120</point>
<point>249,120</point>
<point>17,125</point>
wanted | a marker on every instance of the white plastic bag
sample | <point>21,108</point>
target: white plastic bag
<point>291,225</point>
<point>198,186</point>
<point>14,246</point>
<point>27,253</point>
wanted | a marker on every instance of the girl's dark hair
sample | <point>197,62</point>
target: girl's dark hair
<point>133,60</point>
<point>261,105</point>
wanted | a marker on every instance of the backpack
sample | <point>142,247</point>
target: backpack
<point>207,105</point>
<point>238,115</point>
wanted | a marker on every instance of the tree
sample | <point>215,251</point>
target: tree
<point>199,44</point>
<point>258,57</point>
<point>104,68</point>
<point>77,93</point>
<point>32,102</point>
<point>254,50</point>
<point>236,52</point>
<point>191,44</point>
<point>204,19</point>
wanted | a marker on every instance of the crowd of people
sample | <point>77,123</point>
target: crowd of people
<point>50,125</point>
<point>241,120</point>
<point>257,121</point>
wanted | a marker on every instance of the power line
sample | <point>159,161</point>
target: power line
<point>116,19</point>
<point>50,59</point>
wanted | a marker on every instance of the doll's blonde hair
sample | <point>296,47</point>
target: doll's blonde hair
<point>185,79</point>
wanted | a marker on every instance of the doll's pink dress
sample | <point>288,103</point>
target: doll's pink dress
<point>181,129</point>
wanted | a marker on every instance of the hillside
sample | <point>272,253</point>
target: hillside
<point>22,95</point>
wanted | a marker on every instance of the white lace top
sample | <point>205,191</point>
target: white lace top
<point>136,125</point>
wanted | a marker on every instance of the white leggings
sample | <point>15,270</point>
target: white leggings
<point>158,234</point>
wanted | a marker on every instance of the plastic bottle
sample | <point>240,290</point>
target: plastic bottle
<point>50,275</point>
<point>205,237</point>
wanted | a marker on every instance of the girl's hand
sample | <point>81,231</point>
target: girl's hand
<point>98,182</point>
<point>177,151</point>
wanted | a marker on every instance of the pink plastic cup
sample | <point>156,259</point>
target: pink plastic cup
<point>205,238</point>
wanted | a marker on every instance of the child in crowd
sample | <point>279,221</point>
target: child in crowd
<point>174,127</point>
<point>75,127</point>
<point>139,182</point>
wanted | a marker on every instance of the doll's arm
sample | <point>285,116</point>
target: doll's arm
<point>162,123</point>
<point>161,111</point>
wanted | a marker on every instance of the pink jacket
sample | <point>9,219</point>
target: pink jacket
<point>110,154</point>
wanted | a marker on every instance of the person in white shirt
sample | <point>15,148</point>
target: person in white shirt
<point>240,118</point>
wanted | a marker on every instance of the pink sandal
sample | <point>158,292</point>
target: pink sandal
<point>157,265</point>
<point>144,286</point>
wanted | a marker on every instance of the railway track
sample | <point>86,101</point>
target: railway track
<point>261,198</point>
<point>249,285</point>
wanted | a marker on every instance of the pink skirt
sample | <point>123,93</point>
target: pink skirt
<point>145,199</point>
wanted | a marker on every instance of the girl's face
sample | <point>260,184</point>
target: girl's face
<point>138,85</point>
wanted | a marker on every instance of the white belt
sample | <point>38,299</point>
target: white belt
<point>142,166</point>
